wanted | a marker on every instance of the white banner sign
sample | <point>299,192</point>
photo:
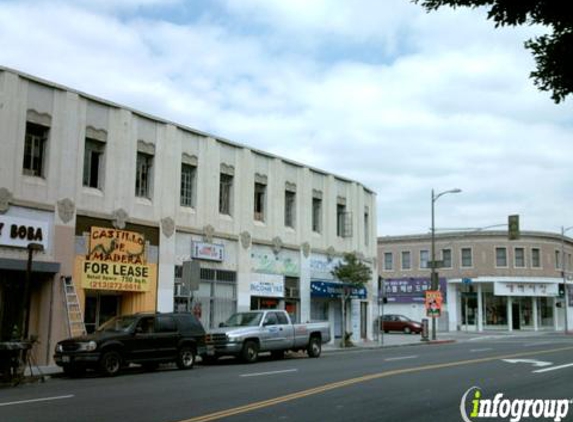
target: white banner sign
<point>208,251</point>
<point>19,232</point>
<point>267,285</point>
<point>525,289</point>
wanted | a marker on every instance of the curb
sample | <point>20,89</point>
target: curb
<point>390,346</point>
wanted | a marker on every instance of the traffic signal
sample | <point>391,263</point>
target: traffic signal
<point>561,290</point>
<point>513,227</point>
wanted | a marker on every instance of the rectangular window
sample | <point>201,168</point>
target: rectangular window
<point>316,215</point>
<point>467,258</point>
<point>500,257</point>
<point>143,175</point>
<point>406,261</point>
<point>36,140</point>
<point>188,183</point>
<point>424,259</point>
<point>446,258</point>
<point>519,258</point>
<point>260,190</point>
<point>340,217</point>
<point>557,259</point>
<point>225,193</point>
<point>290,198</point>
<point>535,258</point>
<point>93,163</point>
<point>388,261</point>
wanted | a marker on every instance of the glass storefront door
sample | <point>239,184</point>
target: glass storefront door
<point>99,308</point>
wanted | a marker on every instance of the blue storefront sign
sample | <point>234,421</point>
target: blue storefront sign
<point>329,289</point>
<point>410,289</point>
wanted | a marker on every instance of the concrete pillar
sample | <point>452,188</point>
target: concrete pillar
<point>452,306</point>
<point>480,309</point>
<point>555,314</point>
<point>509,316</point>
<point>304,286</point>
<point>534,307</point>
<point>355,319</point>
<point>166,273</point>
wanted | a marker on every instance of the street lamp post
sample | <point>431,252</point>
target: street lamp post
<point>564,275</point>
<point>434,276</point>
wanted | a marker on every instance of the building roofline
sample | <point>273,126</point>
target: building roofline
<point>91,97</point>
<point>472,235</point>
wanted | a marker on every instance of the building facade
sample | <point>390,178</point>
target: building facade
<point>488,282</point>
<point>122,200</point>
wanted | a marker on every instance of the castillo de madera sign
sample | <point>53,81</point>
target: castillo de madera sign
<point>116,276</point>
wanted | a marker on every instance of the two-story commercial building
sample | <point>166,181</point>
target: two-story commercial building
<point>487,281</point>
<point>116,200</point>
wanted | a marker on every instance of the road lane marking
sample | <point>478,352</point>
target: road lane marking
<point>37,400</point>
<point>401,358</point>
<point>258,374</point>
<point>538,363</point>
<point>485,349</point>
<point>553,368</point>
<point>541,343</point>
<point>352,381</point>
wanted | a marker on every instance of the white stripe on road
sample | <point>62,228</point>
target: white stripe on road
<point>269,373</point>
<point>542,343</point>
<point>553,368</point>
<point>486,349</point>
<point>37,400</point>
<point>401,358</point>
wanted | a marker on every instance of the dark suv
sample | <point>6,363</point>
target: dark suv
<point>146,339</point>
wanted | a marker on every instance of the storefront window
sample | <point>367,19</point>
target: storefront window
<point>495,310</point>
<point>545,311</point>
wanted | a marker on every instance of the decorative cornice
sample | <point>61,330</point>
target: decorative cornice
<point>317,194</point>
<point>305,249</point>
<point>5,200</point>
<point>291,187</point>
<point>330,253</point>
<point>261,178</point>
<point>341,200</point>
<point>208,233</point>
<point>66,210</point>
<point>120,217</point>
<point>246,239</point>
<point>227,169</point>
<point>192,160</point>
<point>145,147</point>
<point>35,116</point>
<point>97,134</point>
<point>167,226</point>
<point>277,245</point>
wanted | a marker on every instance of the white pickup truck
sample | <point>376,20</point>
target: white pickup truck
<point>246,334</point>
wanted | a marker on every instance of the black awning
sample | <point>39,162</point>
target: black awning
<point>37,266</point>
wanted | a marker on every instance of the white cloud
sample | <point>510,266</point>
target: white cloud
<point>420,101</point>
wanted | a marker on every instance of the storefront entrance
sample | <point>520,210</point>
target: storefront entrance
<point>11,300</point>
<point>99,308</point>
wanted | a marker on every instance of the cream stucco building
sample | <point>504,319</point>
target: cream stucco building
<point>141,194</point>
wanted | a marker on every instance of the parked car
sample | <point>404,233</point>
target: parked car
<point>246,334</point>
<point>400,323</point>
<point>146,339</point>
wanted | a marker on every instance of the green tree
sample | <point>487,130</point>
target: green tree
<point>553,52</point>
<point>353,273</point>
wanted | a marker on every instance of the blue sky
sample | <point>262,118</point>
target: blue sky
<point>377,91</point>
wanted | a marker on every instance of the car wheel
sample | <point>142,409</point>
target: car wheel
<point>407,330</point>
<point>250,352</point>
<point>314,347</point>
<point>110,363</point>
<point>278,354</point>
<point>185,357</point>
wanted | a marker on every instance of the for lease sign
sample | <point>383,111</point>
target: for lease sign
<point>117,276</point>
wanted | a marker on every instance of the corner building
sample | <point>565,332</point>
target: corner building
<point>487,281</point>
<point>124,198</point>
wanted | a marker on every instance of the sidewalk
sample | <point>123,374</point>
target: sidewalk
<point>397,340</point>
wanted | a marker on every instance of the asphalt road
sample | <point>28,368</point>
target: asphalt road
<point>411,383</point>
